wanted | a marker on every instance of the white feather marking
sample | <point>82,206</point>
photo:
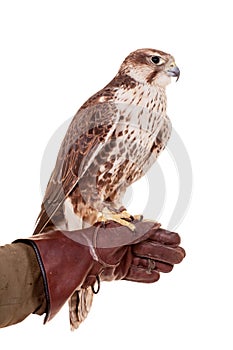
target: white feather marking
<point>162,80</point>
<point>74,222</point>
<point>102,168</point>
<point>102,99</point>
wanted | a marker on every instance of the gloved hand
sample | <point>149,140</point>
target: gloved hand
<point>155,251</point>
<point>77,259</point>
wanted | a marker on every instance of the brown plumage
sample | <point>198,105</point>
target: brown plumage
<point>111,142</point>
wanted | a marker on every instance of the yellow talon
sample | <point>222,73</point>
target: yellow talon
<point>117,217</point>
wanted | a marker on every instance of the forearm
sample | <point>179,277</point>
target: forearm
<point>21,284</point>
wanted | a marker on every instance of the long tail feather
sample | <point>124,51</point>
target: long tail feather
<point>79,306</point>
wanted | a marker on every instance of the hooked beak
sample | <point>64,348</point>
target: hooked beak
<point>174,72</point>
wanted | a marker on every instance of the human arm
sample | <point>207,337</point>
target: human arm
<point>42,272</point>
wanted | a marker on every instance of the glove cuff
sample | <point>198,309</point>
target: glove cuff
<point>64,265</point>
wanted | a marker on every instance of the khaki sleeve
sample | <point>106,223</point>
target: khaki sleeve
<point>21,284</point>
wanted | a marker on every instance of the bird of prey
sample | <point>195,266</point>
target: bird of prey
<point>112,141</point>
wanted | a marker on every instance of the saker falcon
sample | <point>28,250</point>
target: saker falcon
<point>112,141</point>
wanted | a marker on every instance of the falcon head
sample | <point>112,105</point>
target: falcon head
<point>150,66</point>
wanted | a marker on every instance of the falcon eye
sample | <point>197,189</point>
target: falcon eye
<point>157,60</point>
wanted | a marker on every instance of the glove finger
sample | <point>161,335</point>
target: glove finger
<point>149,264</point>
<point>165,237</point>
<point>140,274</point>
<point>160,252</point>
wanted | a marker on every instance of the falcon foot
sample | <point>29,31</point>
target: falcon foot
<point>123,218</point>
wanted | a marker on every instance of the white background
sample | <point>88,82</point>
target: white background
<point>54,55</point>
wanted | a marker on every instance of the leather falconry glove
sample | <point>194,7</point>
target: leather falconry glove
<point>70,260</point>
